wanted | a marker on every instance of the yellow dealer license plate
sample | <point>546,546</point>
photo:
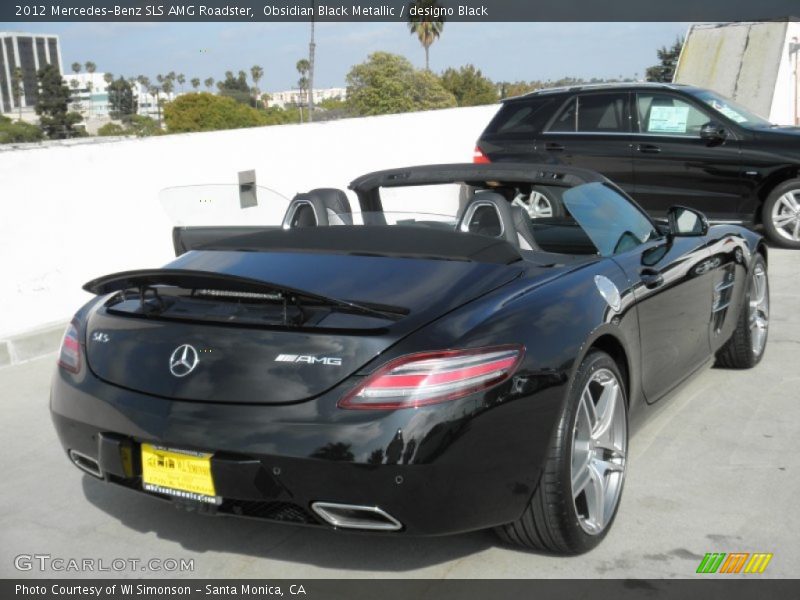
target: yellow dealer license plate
<point>181,473</point>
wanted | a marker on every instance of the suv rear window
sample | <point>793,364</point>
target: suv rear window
<point>521,116</point>
<point>593,113</point>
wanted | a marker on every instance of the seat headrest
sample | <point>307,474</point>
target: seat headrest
<point>489,213</point>
<point>323,206</point>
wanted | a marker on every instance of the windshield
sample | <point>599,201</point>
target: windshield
<point>734,111</point>
<point>612,222</point>
<point>223,204</point>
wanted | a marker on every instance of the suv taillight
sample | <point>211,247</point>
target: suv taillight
<point>478,157</point>
<point>69,356</point>
<point>431,377</point>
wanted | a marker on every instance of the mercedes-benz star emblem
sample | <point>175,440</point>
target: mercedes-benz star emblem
<point>183,360</point>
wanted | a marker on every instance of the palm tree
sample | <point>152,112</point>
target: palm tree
<point>76,67</point>
<point>154,90</point>
<point>108,78</point>
<point>427,29</point>
<point>302,67</point>
<point>181,79</point>
<point>90,67</point>
<point>256,73</point>
<point>195,83</point>
<point>168,86</point>
<point>16,88</point>
<point>209,83</point>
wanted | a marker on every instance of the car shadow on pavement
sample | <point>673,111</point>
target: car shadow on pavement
<point>263,539</point>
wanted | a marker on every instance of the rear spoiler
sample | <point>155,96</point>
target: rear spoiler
<point>145,279</point>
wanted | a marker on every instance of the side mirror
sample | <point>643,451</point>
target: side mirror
<point>686,222</point>
<point>713,132</point>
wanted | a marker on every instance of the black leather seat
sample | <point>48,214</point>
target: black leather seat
<point>318,208</point>
<point>490,214</point>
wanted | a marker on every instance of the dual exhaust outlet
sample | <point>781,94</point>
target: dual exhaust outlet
<point>343,516</point>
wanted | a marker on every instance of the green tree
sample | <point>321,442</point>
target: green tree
<point>256,72</point>
<point>469,86</point>
<point>387,83</point>
<point>15,132</point>
<point>142,126</point>
<point>108,78</point>
<point>76,67</point>
<point>195,83</point>
<point>111,129</point>
<point>17,89</point>
<point>664,71</point>
<point>207,112</point>
<point>122,102</point>
<point>209,83</point>
<point>428,29</point>
<point>52,106</point>
<point>181,79</point>
<point>235,87</point>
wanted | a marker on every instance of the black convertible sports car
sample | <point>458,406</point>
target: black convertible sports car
<point>424,374</point>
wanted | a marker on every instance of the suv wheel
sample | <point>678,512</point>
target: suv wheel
<point>539,204</point>
<point>781,214</point>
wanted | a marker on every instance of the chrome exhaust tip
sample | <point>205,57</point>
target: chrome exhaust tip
<point>353,516</point>
<point>86,463</point>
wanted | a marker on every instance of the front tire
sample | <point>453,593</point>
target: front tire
<point>781,214</point>
<point>581,484</point>
<point>746,346</point>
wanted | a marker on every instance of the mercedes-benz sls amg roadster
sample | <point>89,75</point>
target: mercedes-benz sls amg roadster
<point>403,372</point>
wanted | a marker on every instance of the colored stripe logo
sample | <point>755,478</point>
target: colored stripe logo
<point>734,562</point>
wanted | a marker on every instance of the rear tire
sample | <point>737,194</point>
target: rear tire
<point>578,494</point>
<point>746,346</point>
<point>780,214</point>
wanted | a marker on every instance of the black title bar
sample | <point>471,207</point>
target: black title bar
<point>711,588</point>
<point>397,10</point>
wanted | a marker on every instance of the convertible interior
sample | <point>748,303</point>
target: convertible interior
<point>492,211</point>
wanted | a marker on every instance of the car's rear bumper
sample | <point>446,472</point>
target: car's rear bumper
<point>447,468</point>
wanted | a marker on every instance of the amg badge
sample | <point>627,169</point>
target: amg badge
<point>311,360</point>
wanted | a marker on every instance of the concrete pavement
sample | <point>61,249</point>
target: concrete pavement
<point>715,470</point>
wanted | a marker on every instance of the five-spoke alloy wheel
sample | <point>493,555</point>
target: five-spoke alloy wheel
<point>781,214</point>
<point>579,490</point>
<point>599,445</point>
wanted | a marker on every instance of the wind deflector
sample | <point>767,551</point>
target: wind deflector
<point>148,279</point>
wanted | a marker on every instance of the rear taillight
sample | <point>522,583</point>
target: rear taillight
<point>69,356</point>
<point>431,377</point>
<point>478,157</point>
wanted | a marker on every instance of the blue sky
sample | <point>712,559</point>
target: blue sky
<point>503,51</point>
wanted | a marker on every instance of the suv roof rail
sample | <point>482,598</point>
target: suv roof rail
<point>593,86</point>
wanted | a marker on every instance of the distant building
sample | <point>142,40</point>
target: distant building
<point>29,52</point>
<point>90,95</point>
<point>296,98</point>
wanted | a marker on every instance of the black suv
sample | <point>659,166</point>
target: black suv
<point>665,144</point>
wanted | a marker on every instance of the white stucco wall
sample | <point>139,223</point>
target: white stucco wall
<point>748,62</point>
<point>71,213</point>
<point>785,96</point>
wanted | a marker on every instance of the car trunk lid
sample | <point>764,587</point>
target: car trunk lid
<point>268,327</point>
